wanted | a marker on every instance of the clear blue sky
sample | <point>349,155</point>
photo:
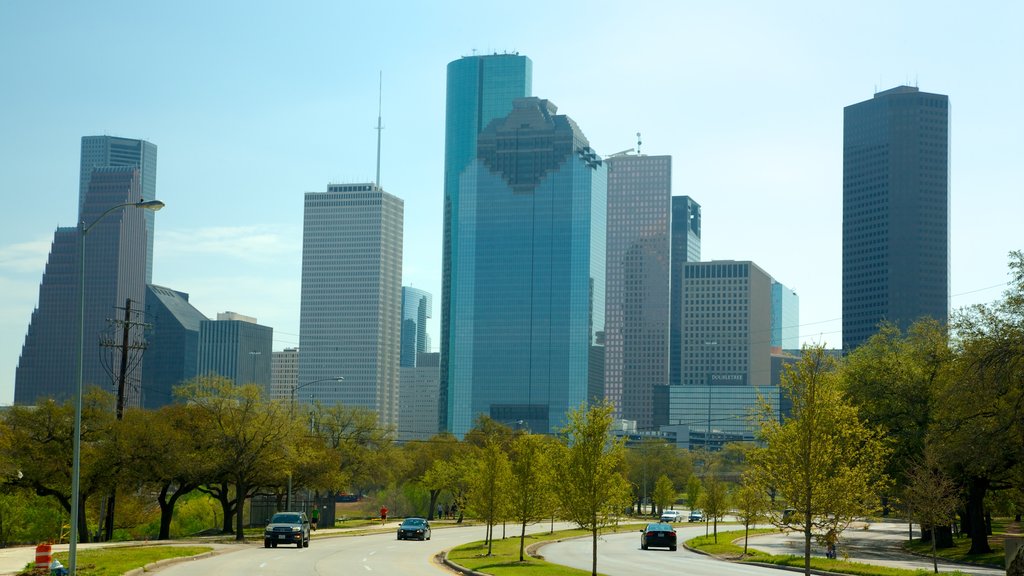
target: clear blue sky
<point>254,103</point>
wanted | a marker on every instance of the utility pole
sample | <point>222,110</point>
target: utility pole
<point>126,347</point>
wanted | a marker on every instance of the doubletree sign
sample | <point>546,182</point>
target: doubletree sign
<point>727,379</point>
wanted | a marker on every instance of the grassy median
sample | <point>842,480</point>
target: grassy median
<point>117,560</point>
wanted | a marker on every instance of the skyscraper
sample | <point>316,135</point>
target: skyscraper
<point>785,317</point>
<point>117,256</point>
<point>417,306</point>
<point>350,320</point>
<point>236,347</point>
<point>172,356</point>
<point>284,373</point>
<point>418,406</point>
<point>895,211</point>
<point>637,305</point>
<point>685,248</point>
<point>480,89</point>
<point>527,273</point>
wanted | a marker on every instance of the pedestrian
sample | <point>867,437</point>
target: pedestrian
<point>447,511</point>
<point>314,517</point>
<point>455,511</point>
<point>439,510</point>
<point>383,514</point>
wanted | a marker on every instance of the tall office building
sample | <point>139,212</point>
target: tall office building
<point>785,318</point>
<point>284,374</point>
<point>480,89</point>
<point>172,356</point>
<point>637,297</point>
<point>117,258</point>
<point>527,273</point>
<point>417,399</point>
<point>417,306</point>
<point>236,347</point>
<point>895,211</point>
<point>685,248</point>
<point>100,151</point>
<point>350,320</point>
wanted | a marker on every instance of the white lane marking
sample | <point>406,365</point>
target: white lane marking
<point>263,565</point>
<point>368,569</point>
<point>372,553</point>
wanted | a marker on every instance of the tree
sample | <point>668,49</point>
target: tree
<point>664,493</point>
<point>693,489</point>
<point>530,486</point>
<point>714,499</point>
<point>453,475</point>
<point>932,499</point>
<point>650,459</point>
<point>752,505</point>
<point>421,455</point>
<point>488,486</point>
<point>592,491</point>
<point>823,460</point>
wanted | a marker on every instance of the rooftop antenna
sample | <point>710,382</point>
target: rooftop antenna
<point>380,127</point>
<point>638,143</point>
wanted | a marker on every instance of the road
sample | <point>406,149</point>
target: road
<point>371,554</point>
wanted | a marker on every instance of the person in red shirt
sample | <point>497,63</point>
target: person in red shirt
<point>383,514</point>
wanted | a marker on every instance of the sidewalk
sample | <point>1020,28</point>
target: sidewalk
<point>877,543</point>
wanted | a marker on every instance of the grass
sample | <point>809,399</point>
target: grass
<point>726,550</point>
<point>961,544</point>
<point>120,559</point>
<point>504,558</point>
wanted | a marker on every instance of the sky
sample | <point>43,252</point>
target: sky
<point>252,104</point>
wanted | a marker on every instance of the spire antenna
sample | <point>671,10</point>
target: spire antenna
<point>380,126</point>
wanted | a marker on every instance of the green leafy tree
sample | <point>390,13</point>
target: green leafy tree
<point>421,454</point>
<point>932,499</point>
<point>714,498</point>
<point>530,482</point>
<point>453,475</point>
<point>664,493</point>
<point>824,461</point>
<point>650,459</point>
<point>593,491</point>
<point>488,488</point>
<point>752,505</point>
<point>364,451</point>
<point>693,490</point>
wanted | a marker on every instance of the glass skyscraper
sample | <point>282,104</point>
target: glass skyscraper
<point>480,89</point>
<point>895,211</point>
<point>172,356</point>
<point>417,306</point>
<point>236,347</point>
<point>637,306</point>
<point>685,248</point>
<point>350,320</point>
<point>785,317</point>
<point>527,273</point>
<point>118,261</point>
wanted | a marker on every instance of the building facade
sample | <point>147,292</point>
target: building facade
<point>480,90</point>
<point>417,306</point>
<point>284,374</point>
<point>418,398</point>
<point>172,354</point>
<point>117,259</point>
<point>895,211</point>
<point>685,248</point>
<point>528,273</point>
<point>785,318</point>
<point>637,296</point>
<point>235,346</point>
<point>350,319</point>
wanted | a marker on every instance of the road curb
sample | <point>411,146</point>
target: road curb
<point>442,558</point>
<point>153,566</point>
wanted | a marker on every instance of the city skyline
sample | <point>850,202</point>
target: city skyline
<point>747,99</point>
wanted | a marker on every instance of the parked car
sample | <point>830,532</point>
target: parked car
<point>658,534</point>
<point>287,528</point>
<point>417,528</point>
<point>696,516</point>
<point>671,516</point>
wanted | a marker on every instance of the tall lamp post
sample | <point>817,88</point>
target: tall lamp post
<point>76,461</point>
<point>295,388</point>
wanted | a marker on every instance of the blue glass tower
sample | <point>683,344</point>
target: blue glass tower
<point>480,89</point>
<point>685,248</point>
<point>417,306</point>
<point>527,281</point>
<point>173,353</point>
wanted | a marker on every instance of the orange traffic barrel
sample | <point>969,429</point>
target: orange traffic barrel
<point>43,558</point>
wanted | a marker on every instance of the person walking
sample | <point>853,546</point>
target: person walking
<point>383,514</point>
<point>314,517</point>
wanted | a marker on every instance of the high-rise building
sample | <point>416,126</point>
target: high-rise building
<point>350,321</point>
<point>417,306</point>
<point>417,399</point>
<point>637,297</point>
<point>895,211</point>
<point>527,273</point>
<point>480,89</point>
<point>284,374</point>
<point>117,258</point>
<point>236,347</point>
<point>785,318</point>
<point>685,248</point>
<point>100,151</point>
<point>172,354</point>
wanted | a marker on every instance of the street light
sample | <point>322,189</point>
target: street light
<point>76,460</point>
